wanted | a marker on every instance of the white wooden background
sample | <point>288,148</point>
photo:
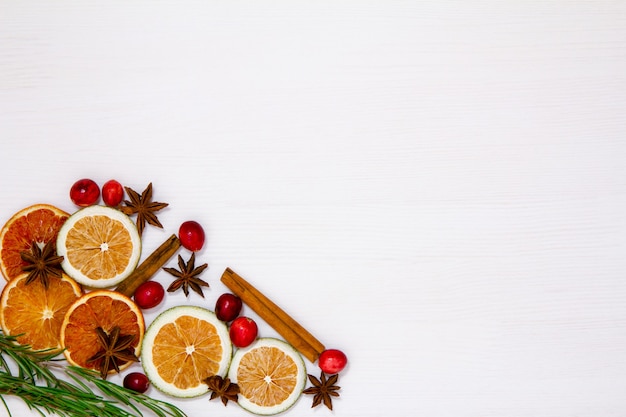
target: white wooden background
<point>438,188</point>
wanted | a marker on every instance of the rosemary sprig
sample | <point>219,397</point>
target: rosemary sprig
<point>124,395</point>
<point>27,360</point>
<point>58,400</point>
<point>44,392</point>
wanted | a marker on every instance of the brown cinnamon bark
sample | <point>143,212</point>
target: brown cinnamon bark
<point>279,320</point>
<point>149,266</point>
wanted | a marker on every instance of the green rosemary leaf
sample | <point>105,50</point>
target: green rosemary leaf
<point>6,407</point>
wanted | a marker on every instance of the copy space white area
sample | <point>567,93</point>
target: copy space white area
<point>437,188</point>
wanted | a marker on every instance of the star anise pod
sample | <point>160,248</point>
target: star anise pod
<point>143,207</point>
<point>187,276</point>
<point>42,263</point>
<point>323,389</point>
<point>115,350</point>
<point>222,388</point>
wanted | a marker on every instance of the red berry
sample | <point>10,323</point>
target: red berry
<point>85,192</point>
<point>112,193</point>
<point>191,235</point>
<point>149,294</point>
<point>243,331</point>
<point>136,381</point>
<point>332,361</point>
<point>227,307</point>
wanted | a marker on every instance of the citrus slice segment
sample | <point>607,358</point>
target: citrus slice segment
<point>271,375</point>
<point>103,309</point>
<point>100,246</point>
<point>38,223</point>
<point>183,346</point>
<point>34,313</point>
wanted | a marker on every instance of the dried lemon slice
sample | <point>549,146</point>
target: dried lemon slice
<point>100,246</point>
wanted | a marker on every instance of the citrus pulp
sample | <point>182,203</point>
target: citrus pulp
<point>35,313</point>
<point>39,223</point>
<point>271,376</point>
<point>105,309</point>
<point>100,246</point>
<point>182,347</point>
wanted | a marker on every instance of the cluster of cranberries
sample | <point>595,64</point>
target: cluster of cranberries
<point>86,192</point>
<point>243,330</point>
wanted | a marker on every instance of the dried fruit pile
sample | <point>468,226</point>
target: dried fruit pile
<point>74,283</point>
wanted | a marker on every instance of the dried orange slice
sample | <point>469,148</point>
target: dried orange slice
<point>105,309</point>
<point>271,376</point>
<point>38,223</point>
<point>35,313</point>
<point>100,246</point>
<point>183,346</point>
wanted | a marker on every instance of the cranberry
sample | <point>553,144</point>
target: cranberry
<point>149,294</point>
<point>332,361</point>
<point>243,331</point>
<point>227,307</point>
<point>191,235</point>
<point>85,192</point>
<point>136,381</point>
<point>112,193</point>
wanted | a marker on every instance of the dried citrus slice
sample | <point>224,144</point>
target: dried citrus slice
<point>35,313</point>
<point>183,346</point>
<point>38,223</point>
<point>104,309</point>
<point>100,246</point>
<point>271,376</point>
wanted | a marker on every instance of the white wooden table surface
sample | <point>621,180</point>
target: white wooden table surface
<point>437,188</point>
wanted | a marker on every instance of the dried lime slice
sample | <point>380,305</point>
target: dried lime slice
<point>271,376</point>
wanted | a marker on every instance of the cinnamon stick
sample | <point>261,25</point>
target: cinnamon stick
<point>279,320</point>
<point>149,266</point>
